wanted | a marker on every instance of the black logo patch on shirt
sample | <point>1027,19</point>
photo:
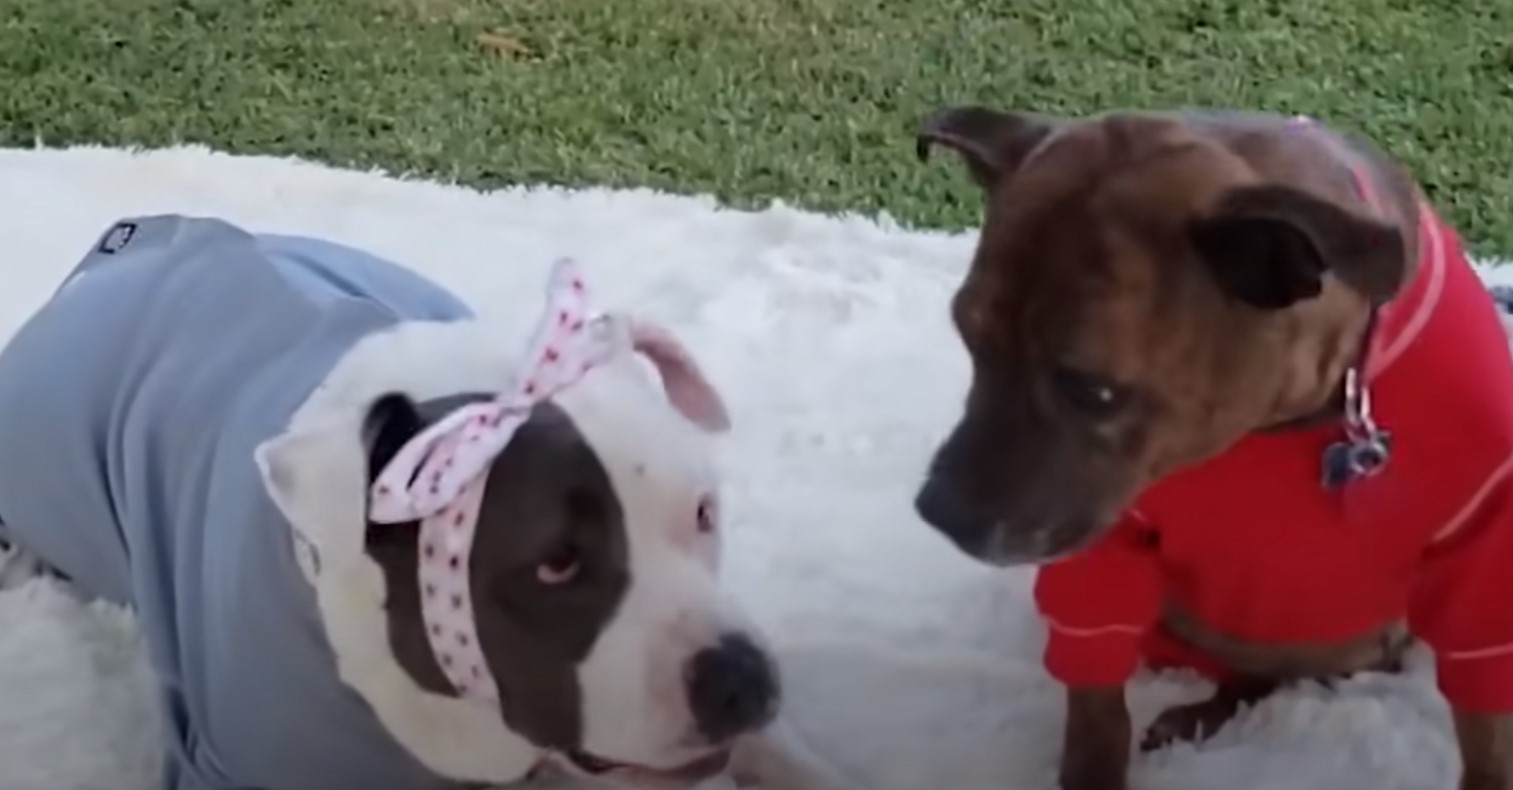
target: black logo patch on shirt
<point>1503,296</point>
<point>117,238</point>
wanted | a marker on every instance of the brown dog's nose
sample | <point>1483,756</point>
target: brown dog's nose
<point>945,510</point>
<point>732,688</point>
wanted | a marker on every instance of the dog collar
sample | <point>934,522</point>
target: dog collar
<point>438,477</point>
<point>1365,448</point>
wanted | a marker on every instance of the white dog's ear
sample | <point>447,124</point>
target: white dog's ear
<point>316,480</point>
<point>688,389</point>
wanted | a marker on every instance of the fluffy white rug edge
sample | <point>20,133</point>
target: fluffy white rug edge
<point>408,180</point>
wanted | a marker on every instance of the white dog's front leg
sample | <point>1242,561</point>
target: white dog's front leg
<point>778,759</point>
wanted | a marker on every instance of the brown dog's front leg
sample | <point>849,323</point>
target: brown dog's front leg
<point>1096,744</point>
<point>1486,750</point>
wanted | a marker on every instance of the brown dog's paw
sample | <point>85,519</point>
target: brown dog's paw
<point>1192,723</point>
<point>1196,722</point>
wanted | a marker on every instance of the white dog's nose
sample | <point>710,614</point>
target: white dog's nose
<point>732,688</point>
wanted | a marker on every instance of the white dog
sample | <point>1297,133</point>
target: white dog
<point>370,542</point>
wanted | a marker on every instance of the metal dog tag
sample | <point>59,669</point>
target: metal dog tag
<point>1366,448</point>
<point>1355,459</point>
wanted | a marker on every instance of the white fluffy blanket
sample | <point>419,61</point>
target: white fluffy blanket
<point>911,666</point>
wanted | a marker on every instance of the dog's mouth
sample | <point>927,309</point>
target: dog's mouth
<point>1042,547</point>
<point>685,775</point>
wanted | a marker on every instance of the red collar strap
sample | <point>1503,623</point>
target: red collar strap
<point>1392,326</point>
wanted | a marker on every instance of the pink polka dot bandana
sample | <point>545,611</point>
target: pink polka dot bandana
<point>438,477</point>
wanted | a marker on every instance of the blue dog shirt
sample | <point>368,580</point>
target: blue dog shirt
<point>130,406</point>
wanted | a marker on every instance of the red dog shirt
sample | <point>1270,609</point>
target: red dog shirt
<point>1253,545</point>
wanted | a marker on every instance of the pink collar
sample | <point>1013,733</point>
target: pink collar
<point>438,477</point>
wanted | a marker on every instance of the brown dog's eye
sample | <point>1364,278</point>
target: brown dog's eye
<point>707,515</point>
<point>561,567</point>
<point>1088,393</point>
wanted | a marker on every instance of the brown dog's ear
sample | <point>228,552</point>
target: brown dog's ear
<point>1270,246</point>
<point>992,143</point>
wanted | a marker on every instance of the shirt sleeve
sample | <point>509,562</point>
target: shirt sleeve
<point>1098,605</point>
<point>1461,603</point>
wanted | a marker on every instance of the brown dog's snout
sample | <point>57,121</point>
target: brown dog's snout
<point>1006,502</point>
<point>968,494</point>
<point>966,524</point>
<point>1022,538</point>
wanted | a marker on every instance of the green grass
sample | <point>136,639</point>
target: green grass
<point>812,101</point>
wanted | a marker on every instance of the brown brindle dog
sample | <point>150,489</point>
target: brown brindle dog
<point>1148,290</point>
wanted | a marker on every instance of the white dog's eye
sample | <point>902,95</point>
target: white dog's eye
<point>561,567</point>
<point>709,515</point>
